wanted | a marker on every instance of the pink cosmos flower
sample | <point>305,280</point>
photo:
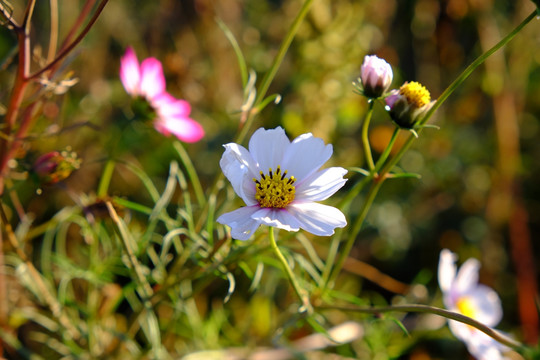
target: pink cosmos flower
<point>146,80</point>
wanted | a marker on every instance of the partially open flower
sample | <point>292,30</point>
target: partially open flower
<point>463,294</point>
<point>280,182</point>
<point>376,76</point>
<point>54,166</point>
<point>147,81</point>
<point>409,104</point>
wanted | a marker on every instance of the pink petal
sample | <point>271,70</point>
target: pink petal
<point>169,106</point>
<point>130,72</point>
<point>184,128</point>
<point>152,78</point>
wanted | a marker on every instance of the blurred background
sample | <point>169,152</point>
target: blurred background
<point>478,194</point>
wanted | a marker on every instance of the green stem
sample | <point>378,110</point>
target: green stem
<point>386,152</point>
<point>192,173</point>
<point>331,258</point>
<point>365,137</point>
<point>261,93</point>
<point>417,308</point>
<point>301,293</point>
<point>375,187</point>
<point>357,226</point>
<point>146,289</point>
<point>106,177</point>
<point>455,84</point>
<point>271,73</point>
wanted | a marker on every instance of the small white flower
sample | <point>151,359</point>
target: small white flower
<point>280,182</point>
<point>463,294</point>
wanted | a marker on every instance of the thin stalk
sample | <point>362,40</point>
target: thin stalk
<point>192,173</point>
<point>373,191</point>
<point>271,73</point>
<point>301,293</point>
<point>393,161</point>
<point>386,152</point>
<point>19,89</point>
<point>454,85</point>
<point>417,308</point>
<point>365,137</point>
<point>54,306</point>
<point>67,49</point>
<point>4,304</point>
<point>357,226</point>
<point>53,38</point>
<point>106,177</point>
<point>331,258</point>
<point>134,262</point>
<point>261,93</point>
<point>7,13</point>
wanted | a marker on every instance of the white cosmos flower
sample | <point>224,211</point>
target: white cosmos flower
<point>280,182</point>
<point>463,294</point>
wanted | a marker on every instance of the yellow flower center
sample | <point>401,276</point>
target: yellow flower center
<point>275,190</point>
<point>466,307</point>
<point>416,94</point>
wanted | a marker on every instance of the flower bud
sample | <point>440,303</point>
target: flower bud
<point>376,76</point>
<point>408,104</point>
<point>55,166</point>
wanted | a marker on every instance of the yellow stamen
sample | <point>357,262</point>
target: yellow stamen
<point>466,307</point>
<point>416,94</point>
<point>275,190</point>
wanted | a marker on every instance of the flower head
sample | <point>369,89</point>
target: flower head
<point>408,104</point>
<point>463,294</point>
<point>376,76</point>
<point>280,182</point>
<point>147,81</point>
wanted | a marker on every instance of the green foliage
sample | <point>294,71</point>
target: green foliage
<point>124,258</point>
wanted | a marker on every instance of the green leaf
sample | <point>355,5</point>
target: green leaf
<point>238,52</point>
<point>405,175</point>
<point>359,170</point>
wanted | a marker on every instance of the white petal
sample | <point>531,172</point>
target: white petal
<point>467,276</point>
<point>239,167</point>
<point>321,185</point>
<point>240,221</point>
<point>460,330</point>
<point>484,347</point>
<point>279,218</point>
<point>487,305</point>
<point>447,270</point>
<point>317,218</point>
<point>305,156</point>
<point>267,148</point>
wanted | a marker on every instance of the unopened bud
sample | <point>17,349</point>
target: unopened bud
<point>376,76</point>
<point>55,166</point>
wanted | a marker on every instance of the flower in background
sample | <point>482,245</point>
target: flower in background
<point>54,166</point>
<point>146,80</point>
<point>408,104</point>
<point>376,76</point>
<point>280,182</point>
<point>463,294</point>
